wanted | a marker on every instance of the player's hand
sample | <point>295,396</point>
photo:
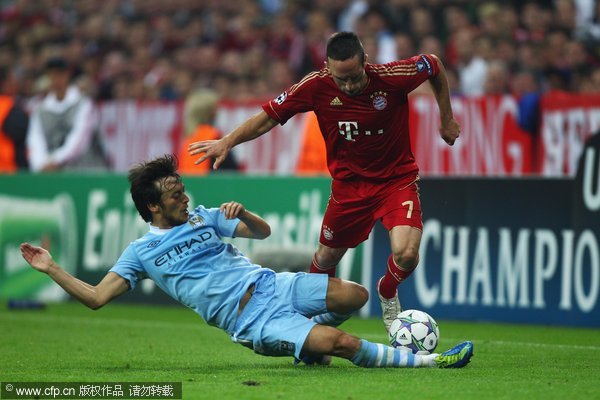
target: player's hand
<point>37,257</point>
<point>450,131</point>
<point>216,149</point>
<point>232,209</point>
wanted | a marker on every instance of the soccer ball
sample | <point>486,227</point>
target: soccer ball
<point>416,331</point>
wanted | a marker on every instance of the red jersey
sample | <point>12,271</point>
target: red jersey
<point>366,134</point>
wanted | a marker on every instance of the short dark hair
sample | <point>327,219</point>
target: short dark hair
<point>344,45</point>
<point>143,179</point>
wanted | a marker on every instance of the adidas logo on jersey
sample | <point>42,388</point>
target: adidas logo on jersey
<point>336,102</point>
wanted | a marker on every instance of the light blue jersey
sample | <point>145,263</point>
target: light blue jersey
<point>193,265</point>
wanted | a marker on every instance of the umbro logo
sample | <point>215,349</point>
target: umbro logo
<point>153,244</point>
<point>336,102</point>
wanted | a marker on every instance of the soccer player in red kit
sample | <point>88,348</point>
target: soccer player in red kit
<point>362,110</point>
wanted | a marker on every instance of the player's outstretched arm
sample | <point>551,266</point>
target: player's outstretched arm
<point>450,129</point>
<point>254,127</point>
<point>94,297</point>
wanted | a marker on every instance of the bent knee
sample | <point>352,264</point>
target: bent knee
<point>327,256</point>
<point>408,259</point>
<point>361,294</point>
<point>345,297</point>
<point>358,295</point>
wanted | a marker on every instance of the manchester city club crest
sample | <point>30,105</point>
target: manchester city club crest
<point>196,221</point>
<point>379,100</point>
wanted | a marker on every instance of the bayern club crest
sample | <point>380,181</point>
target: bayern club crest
<point>327,233</point>
<point>379,100</point>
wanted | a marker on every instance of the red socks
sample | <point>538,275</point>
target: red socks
<point>392,278</point>
<point>315,268</point>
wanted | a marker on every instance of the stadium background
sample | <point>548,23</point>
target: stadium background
<point>511,211</point>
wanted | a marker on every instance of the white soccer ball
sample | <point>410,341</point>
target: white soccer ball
<point>415,330</point>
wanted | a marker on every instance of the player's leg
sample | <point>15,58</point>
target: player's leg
<point>405,241</point>
<point>405,227</point>
<point>343,298</point>
<point>343,227</point>
<point>332,341</point>
<point>347,222</point>
<point>326,259</point>
<point>285,329</point>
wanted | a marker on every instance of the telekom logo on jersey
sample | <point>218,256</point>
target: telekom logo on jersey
<point>349,129</point>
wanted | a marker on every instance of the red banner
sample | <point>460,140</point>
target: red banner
<point>490,143</point>
<point>135,131</point>
<point>567,121</point>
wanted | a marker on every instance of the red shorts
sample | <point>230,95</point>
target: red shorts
<point>354,207</point>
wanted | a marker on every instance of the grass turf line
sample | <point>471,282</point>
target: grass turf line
<point>68,342</point>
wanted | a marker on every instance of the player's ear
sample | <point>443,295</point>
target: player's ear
<point>365,58</point>
<point>153,207</point>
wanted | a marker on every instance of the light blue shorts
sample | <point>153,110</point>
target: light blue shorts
<point>276,319</point>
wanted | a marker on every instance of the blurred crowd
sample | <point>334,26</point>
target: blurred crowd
<point>58,57</point>
<point>247,49</point>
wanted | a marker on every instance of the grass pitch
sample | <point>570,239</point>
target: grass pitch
<point>119,343</point>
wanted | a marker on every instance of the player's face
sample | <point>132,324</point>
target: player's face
<point>173,206</point>
<point>349,75</point>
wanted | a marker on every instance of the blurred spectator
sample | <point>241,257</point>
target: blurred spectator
<point>13,123</point>
<point>485,47</point>
<point>318,30</point>
<point>421,23</point>
<point>588,20</point>
<point>591,83</point>
<point>374,23</point>
<point>526,88</point>
<point>199,113</point>
<point>509,25</point>
<point>453,82</point>
<point>7,147</point>
<point>535,20</point>
<point>578,64</point>
<point>348,17</point>
<point>405,46</point>
<point>456,20</point>
<point>565,15</point>
<point>313,154</point>
<point>153,50</point>
<point>524,82</point>
<point>60,134</point>
<point>490,19</point>
<point>497,79</point>
<point>431,45</point>
<point>556,79</point>
<point>114,67</point>
<point>472,68</point>
<point>530,56</point>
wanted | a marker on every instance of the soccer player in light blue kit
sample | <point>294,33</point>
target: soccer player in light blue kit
<point>266,311</point>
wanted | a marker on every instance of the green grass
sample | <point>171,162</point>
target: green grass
<point>119,343</point>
